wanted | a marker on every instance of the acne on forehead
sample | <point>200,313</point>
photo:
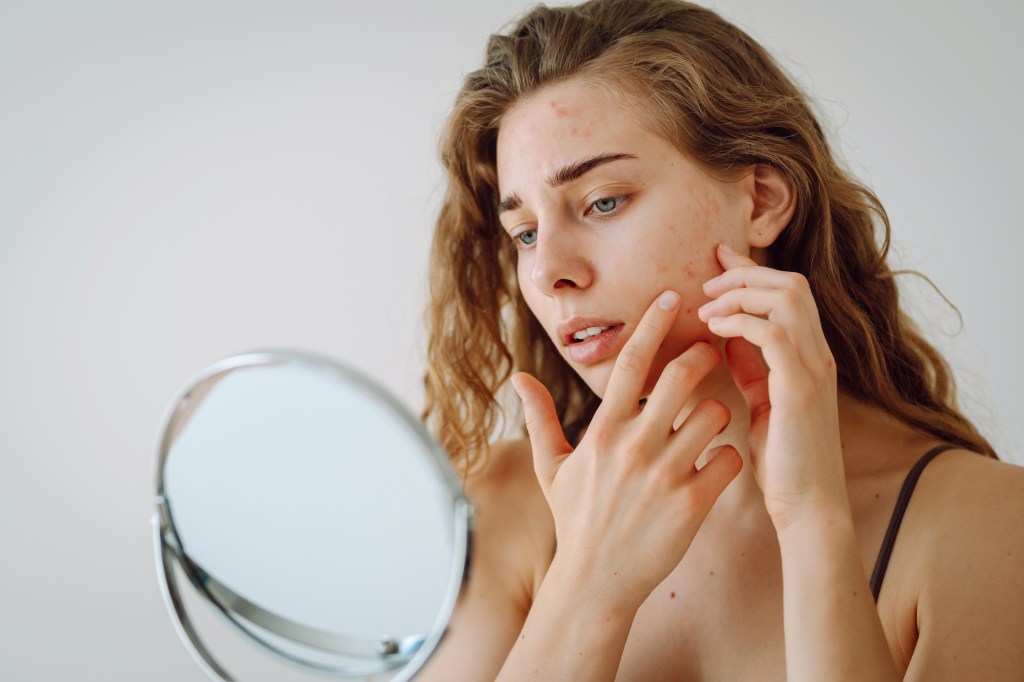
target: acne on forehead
<point>560,111</point>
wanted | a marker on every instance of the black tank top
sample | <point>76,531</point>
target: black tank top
<point>909,483</point>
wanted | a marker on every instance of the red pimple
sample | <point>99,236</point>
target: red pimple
<point>559,110</point>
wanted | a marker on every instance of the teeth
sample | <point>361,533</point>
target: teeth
<point>584,334</point>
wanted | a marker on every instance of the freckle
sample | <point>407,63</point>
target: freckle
<point>575,131</point>
<point>689,272</point>
<point>671,595</point>
<point>689,310</point>
<point>712,572</point>
<point>876,496</point>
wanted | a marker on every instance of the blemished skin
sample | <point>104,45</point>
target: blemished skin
<point>719,516</point>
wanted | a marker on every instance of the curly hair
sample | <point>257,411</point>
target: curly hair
<point>714,93</point>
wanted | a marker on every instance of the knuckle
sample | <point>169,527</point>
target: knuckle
<point>792,297</point>
<point>630,359</point>
<point>601,437</point>
<point>799,282</point>
<point>830,364</point>
<point>717,412</point>
<point>776,333</point>
<point>695,501</point>
<point>680,373</point>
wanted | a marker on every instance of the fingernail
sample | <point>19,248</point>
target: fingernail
<point>668,300</point>
<point>515,387</point>
<point>728,249</point>
<point>711,282</point>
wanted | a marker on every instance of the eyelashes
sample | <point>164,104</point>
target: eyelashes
<point>599,209</point>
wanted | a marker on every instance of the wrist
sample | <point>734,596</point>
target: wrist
<point>603,592</point>
<point>814,524</point>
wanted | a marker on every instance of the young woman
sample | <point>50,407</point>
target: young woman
<point>647,235</point>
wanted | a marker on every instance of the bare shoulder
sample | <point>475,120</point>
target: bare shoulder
<point>513,542</point>
<point>509,501</point>
<point>966,528</point>
<point>972,497</point>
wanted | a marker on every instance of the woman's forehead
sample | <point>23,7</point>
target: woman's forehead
<point>561,125</point>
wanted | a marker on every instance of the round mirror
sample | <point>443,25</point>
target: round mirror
<point>307,507</point>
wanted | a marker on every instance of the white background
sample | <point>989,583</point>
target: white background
<point>185,180</point>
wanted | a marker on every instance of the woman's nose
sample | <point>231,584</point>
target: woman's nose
<point>559,261</point>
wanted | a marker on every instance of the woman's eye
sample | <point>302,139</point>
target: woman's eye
<point>607,205</point>
<point>527,237</point>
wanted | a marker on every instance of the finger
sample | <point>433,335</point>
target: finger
<point>750,374</point>
<point>546,437</point>
<point>708,419</point>
<point>730,257</point>
<point>633,364</point>
<point>677,383</point>
<point>770,337</point>
<point>754,276</point>
<point>722,466</point>
<point>750,275</point>
<point>706,487</point>
<point>783,306</point>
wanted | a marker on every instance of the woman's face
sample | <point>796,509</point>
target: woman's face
<point>606,216</point>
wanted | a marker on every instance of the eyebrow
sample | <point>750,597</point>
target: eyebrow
<point>566,174</point>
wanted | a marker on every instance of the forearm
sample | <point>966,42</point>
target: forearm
<point>573,632</point>
<point>832,628</point>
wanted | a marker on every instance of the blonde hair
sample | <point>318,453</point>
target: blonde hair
<point>720,98</point>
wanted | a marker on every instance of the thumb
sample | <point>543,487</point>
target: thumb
<point>546,438</point>
<point>750,373</point>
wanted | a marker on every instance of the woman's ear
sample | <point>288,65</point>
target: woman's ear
<point>774,201</point>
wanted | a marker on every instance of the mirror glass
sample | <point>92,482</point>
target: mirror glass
<point>310,509</point>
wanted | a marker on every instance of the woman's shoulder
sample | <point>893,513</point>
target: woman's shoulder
<point>506,485</point>
<point>515,532</point>
<point>513,542</point>
<point>964,490</point>
<point>964,535</point>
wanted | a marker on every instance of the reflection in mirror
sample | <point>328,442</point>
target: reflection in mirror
<point>307,507</point>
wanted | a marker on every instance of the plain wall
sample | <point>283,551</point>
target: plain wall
<point>184,181</point>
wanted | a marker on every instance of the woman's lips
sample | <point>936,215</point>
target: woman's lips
<point>596,348</point>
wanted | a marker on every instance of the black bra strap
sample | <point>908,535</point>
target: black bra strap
<point>897,517</point>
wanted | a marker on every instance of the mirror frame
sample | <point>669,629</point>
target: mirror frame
<point>412,652</point>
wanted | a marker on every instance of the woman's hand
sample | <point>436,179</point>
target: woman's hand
<point>628,500</point>
<point>780,361</point>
